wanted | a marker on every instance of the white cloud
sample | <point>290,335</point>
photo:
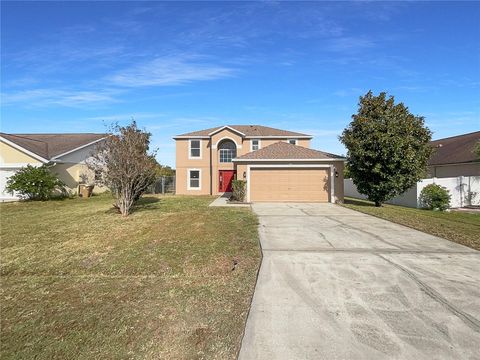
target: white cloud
<point>127,116</point>
<point>166,71</point>
<point>350,44</point>
<point>69,98</point>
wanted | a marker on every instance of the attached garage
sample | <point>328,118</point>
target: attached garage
<point>291,173</point>
<point>290,184</point>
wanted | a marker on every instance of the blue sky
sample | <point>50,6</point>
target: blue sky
<point>178,67</point>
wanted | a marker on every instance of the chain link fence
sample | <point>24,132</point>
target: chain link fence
<point>163,185</point>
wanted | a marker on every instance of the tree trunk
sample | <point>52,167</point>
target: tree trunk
<point>378,204</point>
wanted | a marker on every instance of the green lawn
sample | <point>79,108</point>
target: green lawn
<point>460,227</point>
<point>79,281</point>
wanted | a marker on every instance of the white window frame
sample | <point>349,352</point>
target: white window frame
<point>220,156</point>
<point>190,149</point>
<point>296,141</point>
<point>215,146</point>
<point>199,179</point>
<point>259,144</point>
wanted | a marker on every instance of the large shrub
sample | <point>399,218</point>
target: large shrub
<point>239,188</point>
<point>125,165</point>
<point>435,197</point>
<point>35,183</point>
<point>388,147</point>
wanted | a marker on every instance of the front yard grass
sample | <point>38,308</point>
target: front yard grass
<point>460,227</point>
<point>79,281</point>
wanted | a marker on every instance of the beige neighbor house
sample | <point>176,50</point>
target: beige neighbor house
<point>455,156</point>
<point>278,165</point>
<point>66,153</point>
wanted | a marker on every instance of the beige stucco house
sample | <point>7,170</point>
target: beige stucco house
<point>278,165</point>
<point>66,153</point>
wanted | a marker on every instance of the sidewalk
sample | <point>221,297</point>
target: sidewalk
<point>223,201</point>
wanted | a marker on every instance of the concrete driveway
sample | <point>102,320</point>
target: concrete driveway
<point>338,284</point>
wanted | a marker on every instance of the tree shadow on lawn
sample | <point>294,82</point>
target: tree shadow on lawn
<point>358,202</point>
<point>145,203</point>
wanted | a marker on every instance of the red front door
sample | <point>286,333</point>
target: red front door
<point>225,178</point>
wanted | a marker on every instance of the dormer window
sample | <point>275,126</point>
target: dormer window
<point>255,144</point>
<point>195,149</point>
<point>292,141</point>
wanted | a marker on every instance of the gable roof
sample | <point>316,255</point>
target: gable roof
<point>285,151</point>
<point>49,146</point>
<point>249,131</point>
<point>455,149</point>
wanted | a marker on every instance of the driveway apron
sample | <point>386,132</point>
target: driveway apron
<point>338,284</point>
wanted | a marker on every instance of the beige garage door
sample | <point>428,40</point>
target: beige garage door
<point>293,184</point>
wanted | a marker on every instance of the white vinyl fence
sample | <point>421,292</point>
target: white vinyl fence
<point>464,191</point>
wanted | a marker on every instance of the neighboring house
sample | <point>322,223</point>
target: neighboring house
<point>453,165</point>
<point>278,165</point>
<point>454,156</point>
<point>66,153</point>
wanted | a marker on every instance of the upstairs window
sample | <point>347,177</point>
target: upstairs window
<point>292,141</point>
<point>255,144</point>
<point>227,151</point>
<point>195,151</point>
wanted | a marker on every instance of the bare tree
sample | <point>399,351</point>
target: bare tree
<point>123,164</point>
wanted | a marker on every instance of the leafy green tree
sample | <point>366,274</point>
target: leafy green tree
<point>388,147</point>
<point>35,183</point>
<point>164,170</point>
<point>346,172</point>
<point>476,149</point>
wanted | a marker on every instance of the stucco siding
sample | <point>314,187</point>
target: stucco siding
<point>10,155</point>
<point>241,170</point>
<point>210,171</point>
<point>70,174</point>
<point>79,156</point>
<point>74,174</point>
<point>339,188</point>
<point>181,179</point>
<point>183,163</point>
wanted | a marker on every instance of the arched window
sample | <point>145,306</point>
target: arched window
<point>227,150</point>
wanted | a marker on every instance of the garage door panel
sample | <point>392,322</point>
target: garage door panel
<point>303,184</point>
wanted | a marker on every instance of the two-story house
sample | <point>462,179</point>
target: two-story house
<point>278,165</point>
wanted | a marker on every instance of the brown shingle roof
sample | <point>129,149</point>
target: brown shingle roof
<point>249,130</point>
<point>455,149</point>
<point>49,146</point>
<point>284,150</point>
